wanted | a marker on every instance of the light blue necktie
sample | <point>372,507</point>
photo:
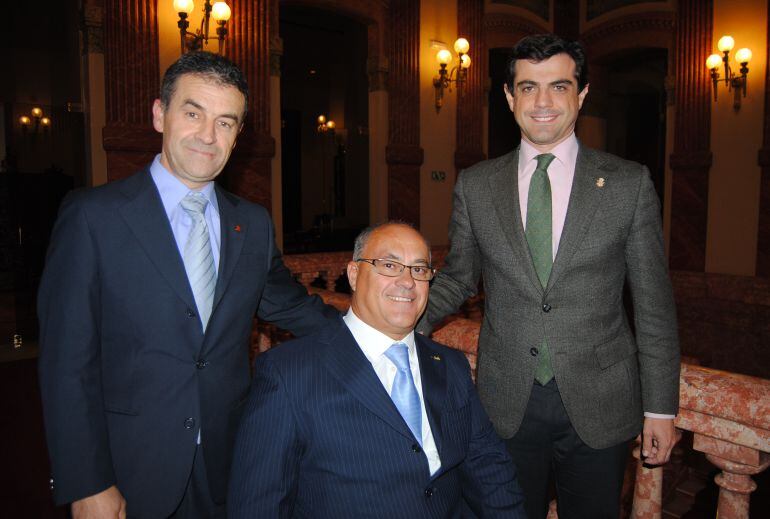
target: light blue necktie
<point>198,258</point>
<point>404,393</point>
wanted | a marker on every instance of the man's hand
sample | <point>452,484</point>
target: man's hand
<point>106,504</point>
<point>658,438</point>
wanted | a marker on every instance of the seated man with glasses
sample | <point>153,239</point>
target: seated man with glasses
<point>367,418</point>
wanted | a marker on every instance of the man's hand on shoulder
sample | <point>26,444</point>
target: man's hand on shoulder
<point>106,504</point>
<point>658,439</point>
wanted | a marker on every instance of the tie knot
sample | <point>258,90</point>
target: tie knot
<point>398,354</point>
<point>194,204</point>
<point>544,160</point>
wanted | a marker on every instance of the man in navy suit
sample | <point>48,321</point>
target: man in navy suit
<point>367,419</point>
<point>146,307</point>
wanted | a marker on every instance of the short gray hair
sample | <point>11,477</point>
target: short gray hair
<point>363,237</point>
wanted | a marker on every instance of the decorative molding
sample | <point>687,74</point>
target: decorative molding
<point>656,29</point>
<point>470,106</point>
<point>504,30</point>
<point>131,85</point>
<point>403,153</point>
<point>93,28</point>
<point>691,160</point>
<point>763,237</point>
<point>377,71</point>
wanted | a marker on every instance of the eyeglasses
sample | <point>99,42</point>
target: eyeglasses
<point>392,269</point>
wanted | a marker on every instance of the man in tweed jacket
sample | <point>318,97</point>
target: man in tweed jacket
<point>561,318</point>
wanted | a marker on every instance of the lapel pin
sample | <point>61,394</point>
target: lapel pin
<point>600,182</point>
<point>237,228</point>
<point>435,357</point>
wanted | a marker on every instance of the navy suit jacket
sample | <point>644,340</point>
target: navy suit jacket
<point>127,375</point>
<point>320,437</point>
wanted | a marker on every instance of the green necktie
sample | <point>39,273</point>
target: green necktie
<point>539,239</point>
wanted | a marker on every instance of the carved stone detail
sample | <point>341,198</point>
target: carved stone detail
<point>470,104</point>
<point>691,160</point>
<point>403,154</point>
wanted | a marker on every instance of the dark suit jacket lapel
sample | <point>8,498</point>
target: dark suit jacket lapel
<point>232,234</point>
<point>145,216</point>
<point>434,391</point>
<point>583,202</point>
<point>349,365</point>
<point>504,186</point>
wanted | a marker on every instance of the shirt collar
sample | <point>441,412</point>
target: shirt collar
<point>565,152</point>
<point>172,190</point>
<point>373,342</point>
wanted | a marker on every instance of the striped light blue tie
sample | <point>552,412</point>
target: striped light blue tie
<point>198,258</point>
<point>404,393</point>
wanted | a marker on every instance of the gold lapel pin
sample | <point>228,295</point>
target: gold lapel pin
<point>435,357</point>
<point>600,182</point>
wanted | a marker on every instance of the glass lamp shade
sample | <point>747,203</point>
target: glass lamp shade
<point>45,121</point>
<point>462,46</point>
<point>444,57</point>
<point>24,120</point>
<point>713,61</point>
<point>331,125</point>
<point>220,11</point>
<point>37,112</point>
<point>321,119</point>
<point>743,55</point>
<point>465,61</point>
<point>184,6</point>
<point>726,44</point>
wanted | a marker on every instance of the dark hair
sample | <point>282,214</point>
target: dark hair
<point>363,237</point>
<point>540,47</point>
<point>214,67</point>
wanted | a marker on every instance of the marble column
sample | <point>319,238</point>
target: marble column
<point>763,240</point>
<point>470,104</point>
<point>403,154</point>
<point>248,173</point>
<point>691,160</point>
<point>131,85</point>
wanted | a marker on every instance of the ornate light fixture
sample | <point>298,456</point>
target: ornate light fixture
<point>325,125</point>
<point>220,12</point>
<point>38,120</point>
<point>458,74</point>
<point>734,82</point>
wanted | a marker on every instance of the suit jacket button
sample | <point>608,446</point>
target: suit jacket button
<point>534,352</point>
<point>416,448</point>
<point>428,492</point>
<point>50,483</point>
<point>190,313</point>
<point>546,308</point>
<point>201,364</point>
<point>189,423</point>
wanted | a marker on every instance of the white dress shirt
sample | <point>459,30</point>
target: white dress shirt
<point>374,344</point>
<point>561,173</point>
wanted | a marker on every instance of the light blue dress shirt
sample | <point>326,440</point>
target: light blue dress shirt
<point>172,191</point>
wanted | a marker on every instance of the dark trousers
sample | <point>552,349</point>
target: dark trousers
<point>197,502</point>
<point>588,481</point>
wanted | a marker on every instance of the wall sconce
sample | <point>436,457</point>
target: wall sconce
<point>38,119</point>
<point>733,82</point>
<point>324,125</point>
<point>220,12</point>
<point>457,75</point>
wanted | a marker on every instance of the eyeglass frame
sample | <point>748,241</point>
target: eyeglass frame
<point>371,261</point>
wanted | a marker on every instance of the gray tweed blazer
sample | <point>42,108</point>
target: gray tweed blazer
<point>608,371</point>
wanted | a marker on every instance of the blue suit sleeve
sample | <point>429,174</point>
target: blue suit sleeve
<point>265,468</point>
<point>70,359</point>
<point>285,302</point>
<point>490,484</point>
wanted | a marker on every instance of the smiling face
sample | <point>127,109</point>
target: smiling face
<point>392,305</point>
<point>199,127</point>
<point>545,100</point>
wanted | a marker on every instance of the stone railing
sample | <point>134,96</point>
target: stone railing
<point>728,414</point>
